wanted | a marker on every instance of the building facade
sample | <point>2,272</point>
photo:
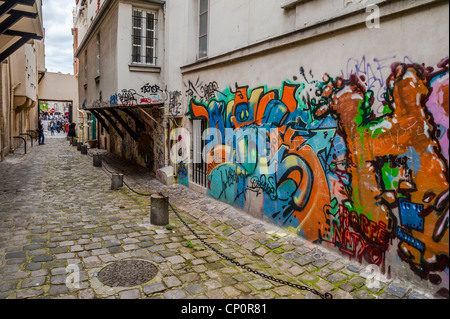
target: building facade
<point>22,64</point>
<point>328,118</point>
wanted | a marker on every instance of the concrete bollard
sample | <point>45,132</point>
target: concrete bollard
<point>116,181</point>
<point>159,215</point>
<point>84,149</point>
<point>97,160</point>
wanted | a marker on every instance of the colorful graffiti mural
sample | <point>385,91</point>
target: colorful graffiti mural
<point>361,160</point>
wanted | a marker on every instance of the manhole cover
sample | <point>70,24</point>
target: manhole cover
<point>127,273</point>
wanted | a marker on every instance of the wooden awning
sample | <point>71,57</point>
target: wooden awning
<point>20,22</point>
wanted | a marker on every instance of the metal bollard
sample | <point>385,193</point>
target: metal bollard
<point>79,144</point>
<point>84,149</point>
<point>97,160</point>
<point>159,214</point>
<point>116,181</point>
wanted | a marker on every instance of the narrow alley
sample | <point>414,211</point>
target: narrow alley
<point>64,234</point>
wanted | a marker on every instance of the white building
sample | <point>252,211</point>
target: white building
<point>356,89</point>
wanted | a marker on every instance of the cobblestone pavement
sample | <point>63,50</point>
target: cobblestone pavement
<point>60,224</point>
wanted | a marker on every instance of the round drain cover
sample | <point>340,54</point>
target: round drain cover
<point>127,273</point>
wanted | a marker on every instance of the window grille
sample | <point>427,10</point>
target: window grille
<point>144,37</point>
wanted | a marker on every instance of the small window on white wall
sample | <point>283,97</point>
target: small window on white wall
<point>144,37</point>
<point>203,29</point>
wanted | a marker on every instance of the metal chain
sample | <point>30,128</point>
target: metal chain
<point>233,261</point>
<point>283,282</point>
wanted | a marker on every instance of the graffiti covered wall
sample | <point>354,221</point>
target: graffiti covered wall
<point>356,161</point>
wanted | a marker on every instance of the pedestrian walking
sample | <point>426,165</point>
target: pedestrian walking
<point>66,125</point>
<point>41,133</point>
<point>52,128</point>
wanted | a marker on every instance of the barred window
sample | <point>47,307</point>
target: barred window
<point>144,37</point>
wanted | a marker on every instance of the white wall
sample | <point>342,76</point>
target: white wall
<point>130,77</point>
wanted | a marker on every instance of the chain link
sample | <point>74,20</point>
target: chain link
<point>233,261</point>
<point>238,264</point>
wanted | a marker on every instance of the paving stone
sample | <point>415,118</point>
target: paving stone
<point>32,247</point>
<point>283,291</point>
<point>324,272</point>
<point>130,294</point>
<point>363,294</point>
<point>58,280</point>
<point>261,251</point>
<point>290,255</point>
<point>336,277</point>
<point>172,281</point>
<point>175,259</point>
<point>190,277</point>
<point>86,294</point>
<point>323,286</point>
<point>354,268</point>
<point>91,262</point>
<point>16,254</point>
<point>195,289</point>
<point>347,287</point>
<point>396,290</point>
<point>154,288</point>
<point>319,263</point>
<point>418,295</point>
<point>175,294</point>
<point>304,260</point>
<point>33,282</point>
<point>336,266</point>
<point>357,282</point>
<point>261,284</point>
<point>29,293</point>
<point>231,292</point>
<point>7,286</point>
<point>33,266</point>
<point>216,294</point>
<point>306,277</point>
<point>42,258</point>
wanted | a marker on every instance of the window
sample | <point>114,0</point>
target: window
<point>200,167</point>
<point>203,29</point>
<point>144,37</point>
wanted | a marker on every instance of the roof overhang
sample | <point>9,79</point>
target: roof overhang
<point>20,22</point>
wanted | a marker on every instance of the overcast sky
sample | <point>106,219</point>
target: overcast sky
<point>58,22</point>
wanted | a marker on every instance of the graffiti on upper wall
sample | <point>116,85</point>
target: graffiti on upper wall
<point>148,94</point>
<point>362,158</point>
<point>203,92</point>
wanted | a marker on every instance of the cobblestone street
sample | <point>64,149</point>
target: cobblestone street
<point>58,214</point>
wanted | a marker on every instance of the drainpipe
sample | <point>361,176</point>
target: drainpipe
<point>11,104</point>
